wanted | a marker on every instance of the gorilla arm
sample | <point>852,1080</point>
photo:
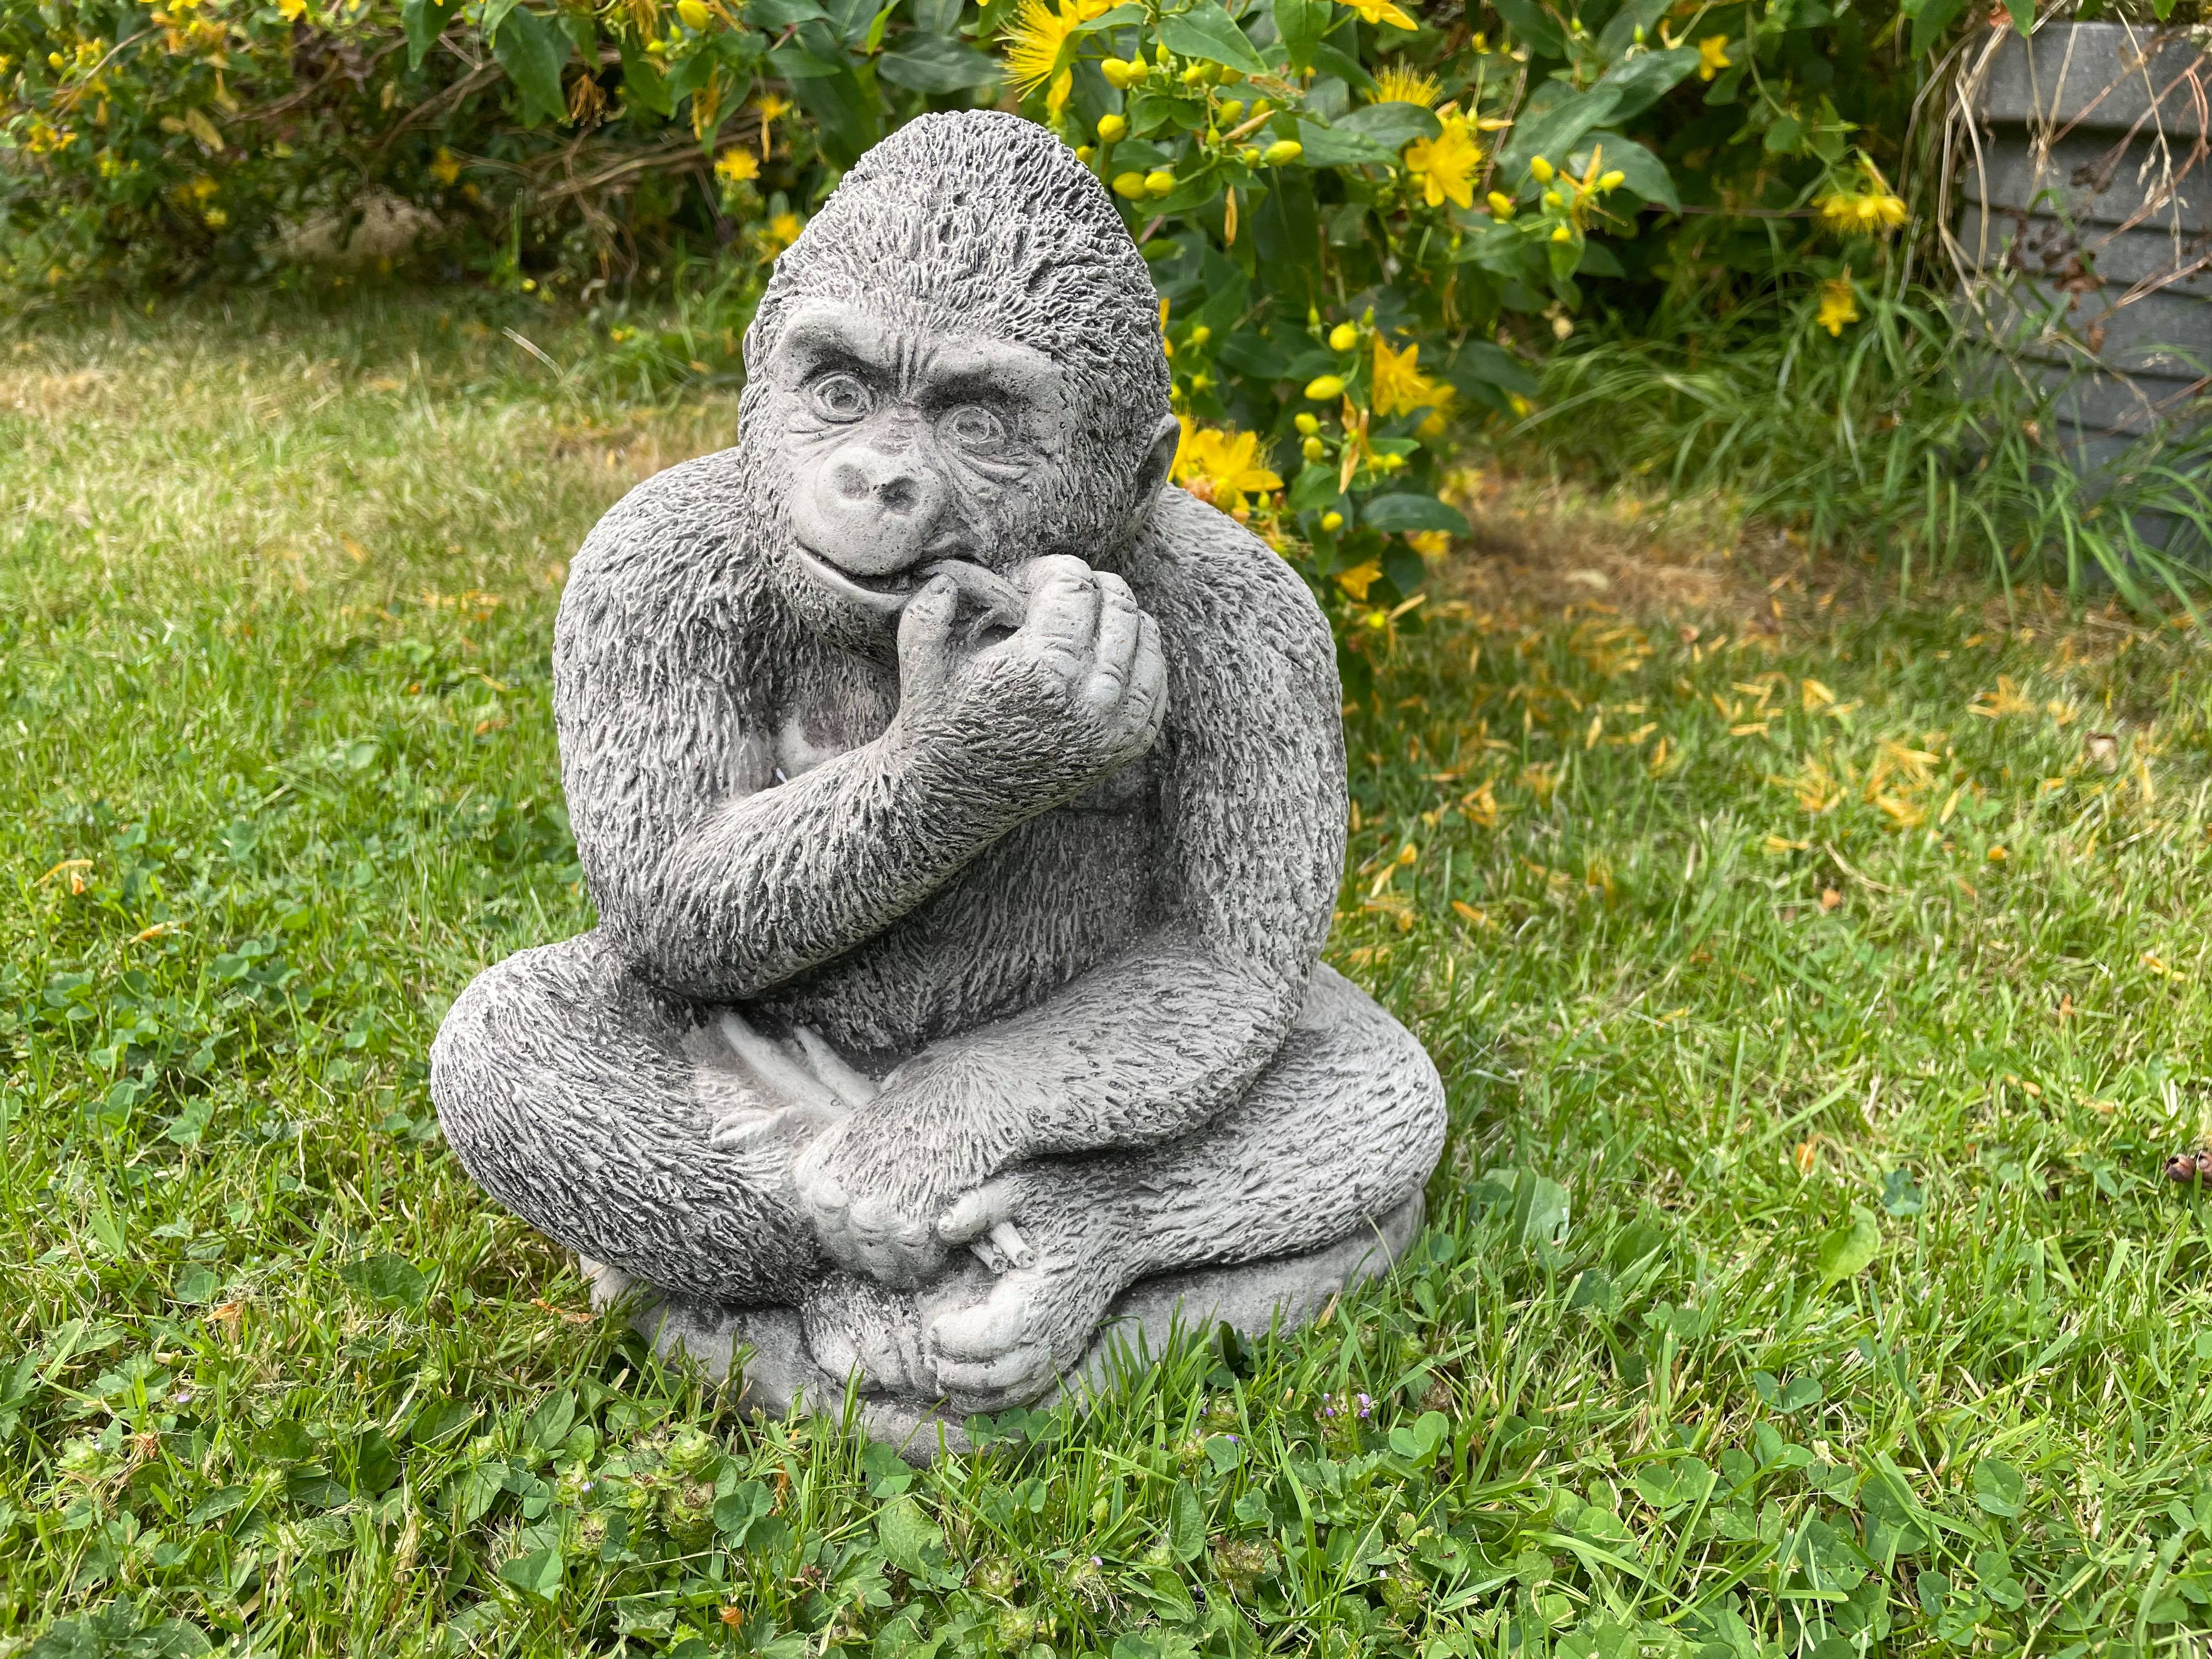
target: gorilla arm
<point>1155,1044</point>
<point>717,883</point>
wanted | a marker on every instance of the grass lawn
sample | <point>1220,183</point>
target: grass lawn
<point>1820,979</point>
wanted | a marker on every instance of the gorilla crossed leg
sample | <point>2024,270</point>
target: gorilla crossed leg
<point>560,1058</point>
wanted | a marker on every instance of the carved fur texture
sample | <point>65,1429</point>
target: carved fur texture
<point>1014,980</point>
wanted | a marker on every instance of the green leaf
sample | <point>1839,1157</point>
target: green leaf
<point>1850,1248</point>
<point>1620,33</point>
<point>794,63</point>
<point>388,1277</point>
<point>1302,24</point>
<point>1205,32</point>
<point>1532,27</point>
<point>1930,18</point>
<point>1644,79</point>
<point>1645,173</point>
<point>1333,147</point>
<point>538,1573</point>
<point>1999,1488</point>
<point>1554,132</point>
<point>1408,511</point>
<point>490,16</point>
<point>216,1504</point>
<point>644,87</point>
<point>1186,1524</point>
<point>197,1284</point>
<point>937,64</point>
<point>911,1541</point>
<point>783,14</point>
<point>424,21</point>
<point>532,49</point>
<point>1392,125</point>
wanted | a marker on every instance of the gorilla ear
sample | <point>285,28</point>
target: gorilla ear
<point>1152,470</point>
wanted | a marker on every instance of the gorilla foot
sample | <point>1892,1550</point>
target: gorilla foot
<point>1004,1339</point>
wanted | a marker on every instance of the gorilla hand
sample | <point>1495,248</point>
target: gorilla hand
<point>876,1183</point>
<point>1078,691</point>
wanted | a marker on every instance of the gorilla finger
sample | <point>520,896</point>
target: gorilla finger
<point>1016,1377</point>
<point>1121,635</point>
<point>1144,705</point>
<point>1063,622</point>
<point>1063,566</point>
<point>992,1327</point>
<point>978,1212</point>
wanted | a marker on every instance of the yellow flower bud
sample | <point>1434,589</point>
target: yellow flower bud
<point>1159,181</point>
<point>1542,169</point>
<point>1331,520</point>
<point>1201,382</point>
<point>1084,153</point>
<point>1112,128</point>
<point>1231,110</point>
<point>1390,462</point>
<point>1195,75</point>
<point>1327,389</point>
<point>1201,334</point>
<point>1308,425</point>
<point>1552,199</point>
<point>1248,154</point>
<point>1262,105</point>
<point>1343,337</point>
<point>1282,152</point>
<point>1117,74</point>
<point>1501,204</point>
<point>1313,449</point>
<point>1130,185</point>
<point>1561,233</point>
<point>694,12</point>
<point>1612,181</point>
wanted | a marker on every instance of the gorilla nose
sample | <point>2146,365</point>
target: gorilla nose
<point>869,512</point>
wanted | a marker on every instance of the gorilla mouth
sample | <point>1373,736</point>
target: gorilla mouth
<point>997,601</point>
<point>887,594</point>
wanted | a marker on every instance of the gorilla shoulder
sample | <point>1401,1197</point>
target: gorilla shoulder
<point>1207,571</point>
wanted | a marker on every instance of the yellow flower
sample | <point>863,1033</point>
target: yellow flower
<point>1447,165</point>
<point>782,231</point>
<point>1838,305</point>
<point>1400,84</point>
<point>1222,466</point>
<point>1712,56</point>
<point>1357,580</point>
<point>1430,543</point>
<point>292,10</point>
<point>216,218</point>
<point>773,107</point>
<point>446,168</point>
<point>1036,45</point>
<point>1382,11</point>
<point>1400,385</point>
<point>737,165</point>
<point>1873,210</point>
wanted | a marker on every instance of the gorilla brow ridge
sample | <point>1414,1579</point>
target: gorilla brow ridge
<point>961,222</point>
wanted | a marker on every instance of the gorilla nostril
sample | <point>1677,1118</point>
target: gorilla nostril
<point>900,495</point>
<point>851,481</point>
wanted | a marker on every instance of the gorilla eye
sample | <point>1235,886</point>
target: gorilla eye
<point>839,398</point>
<point>973,427</point>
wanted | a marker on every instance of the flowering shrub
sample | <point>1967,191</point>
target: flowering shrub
<point>1363,217</point>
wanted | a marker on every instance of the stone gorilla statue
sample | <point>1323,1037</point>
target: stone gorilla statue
<point>963,808</point>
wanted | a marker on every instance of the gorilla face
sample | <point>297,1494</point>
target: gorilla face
<point>908,451</point>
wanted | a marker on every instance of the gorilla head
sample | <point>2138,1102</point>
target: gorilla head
<point>958,363</point>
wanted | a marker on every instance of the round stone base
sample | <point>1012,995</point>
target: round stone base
<point>1283,1294</point>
